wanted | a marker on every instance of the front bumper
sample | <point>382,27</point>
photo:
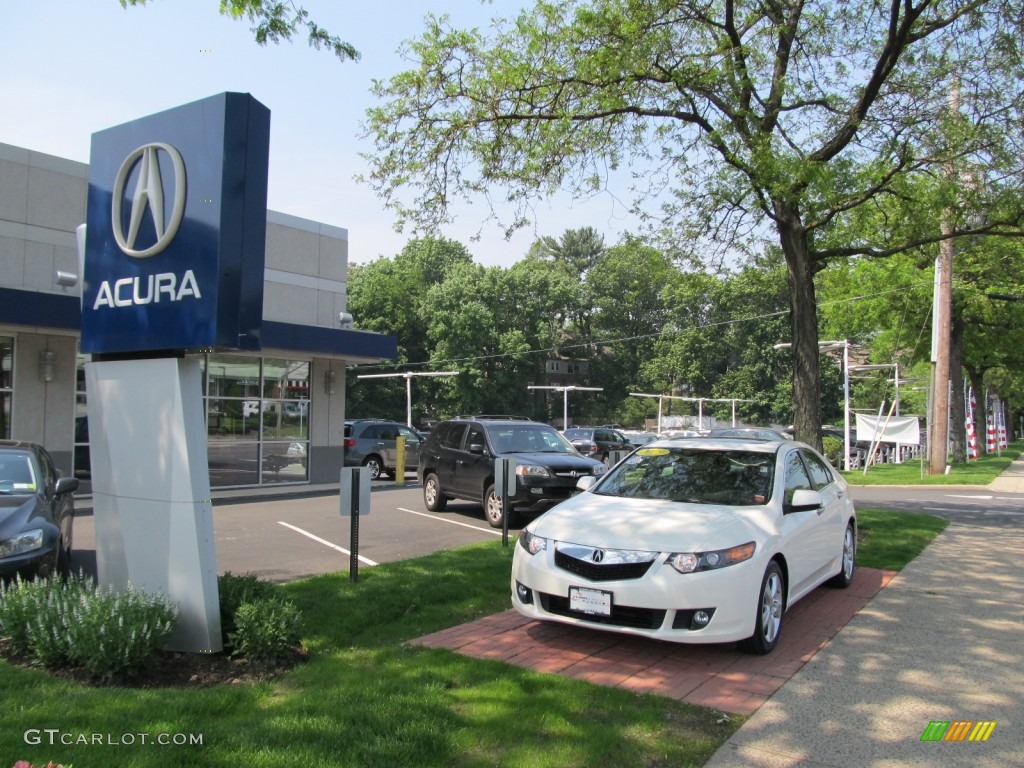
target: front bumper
<point>38,563</point>
<point>659,604</point>
<point>536,493</point>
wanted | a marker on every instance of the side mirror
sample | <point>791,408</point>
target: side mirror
<point>805,500</point>
<point>66,485</point>
<point>475,448</point>
<point>585,483</point>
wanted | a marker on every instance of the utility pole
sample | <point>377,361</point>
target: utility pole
<point>942,319</point>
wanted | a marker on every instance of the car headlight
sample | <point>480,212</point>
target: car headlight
<point>692,562</point>
<point>532,470</point>
<point>26,541</point>
<point>532,543</point>
<point>599,470</point>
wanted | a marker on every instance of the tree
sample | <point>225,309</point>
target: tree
<point>628,283</point>
<point>748,120</point>
<point>391,296</point>
<point>277,21</point>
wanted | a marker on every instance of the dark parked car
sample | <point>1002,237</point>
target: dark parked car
<point>457,462</point>
<point>598,442</point>
<point>36,512</point>
<point>372,443</point>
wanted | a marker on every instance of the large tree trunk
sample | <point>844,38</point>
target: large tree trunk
<point>803,308</point>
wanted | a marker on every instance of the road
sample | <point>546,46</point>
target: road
<point>975,506</point>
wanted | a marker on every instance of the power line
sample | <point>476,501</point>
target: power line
<point>623,339</point>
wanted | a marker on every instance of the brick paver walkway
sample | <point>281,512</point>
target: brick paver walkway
<point>716,676</point>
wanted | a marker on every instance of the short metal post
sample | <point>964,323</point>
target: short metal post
<point>353,569</point>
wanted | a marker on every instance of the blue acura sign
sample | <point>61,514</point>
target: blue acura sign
<point>176,230</point>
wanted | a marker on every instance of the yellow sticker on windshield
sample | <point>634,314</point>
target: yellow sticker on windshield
<point>653,452</point>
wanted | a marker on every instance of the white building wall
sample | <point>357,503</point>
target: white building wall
<point>42,202</point>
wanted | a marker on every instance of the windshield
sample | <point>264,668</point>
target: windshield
<point>519,438</point>
<point>697,475</point>
<point>17,474</point>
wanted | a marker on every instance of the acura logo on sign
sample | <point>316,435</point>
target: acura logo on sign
<point>148,196</point>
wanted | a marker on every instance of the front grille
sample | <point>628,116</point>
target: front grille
<point>622,615</point>
<point>601,571</point>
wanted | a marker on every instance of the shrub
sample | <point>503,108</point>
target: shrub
<point>832,447</point>
<point>236,590</point>
<point>78,624</point>
<point>266,630</point>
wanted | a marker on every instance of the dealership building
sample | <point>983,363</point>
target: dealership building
<point>273,416</point>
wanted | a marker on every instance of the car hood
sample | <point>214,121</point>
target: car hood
<point>554,460</point>
<point>614,522</point>
<point>15,511</point>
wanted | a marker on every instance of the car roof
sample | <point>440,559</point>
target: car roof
<point>18,445</point>
<point>724,443</point>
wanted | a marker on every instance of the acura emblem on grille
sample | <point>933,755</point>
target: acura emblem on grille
<point>598,555</point>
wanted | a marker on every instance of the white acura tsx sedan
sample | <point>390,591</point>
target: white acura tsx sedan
<point>699,540</point>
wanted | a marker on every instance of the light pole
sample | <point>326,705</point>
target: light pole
<point>408,376</point>
<point>565,398</point>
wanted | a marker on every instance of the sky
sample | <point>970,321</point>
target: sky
<point>73,67</point>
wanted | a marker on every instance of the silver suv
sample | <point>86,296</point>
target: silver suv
<point>372,443</point>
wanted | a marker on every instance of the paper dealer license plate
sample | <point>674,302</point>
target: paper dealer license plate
<point>597,602</point>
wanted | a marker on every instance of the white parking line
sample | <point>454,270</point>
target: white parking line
<point>326,543</point>
<point>446,520</point>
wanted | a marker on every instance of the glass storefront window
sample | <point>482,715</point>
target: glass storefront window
<point>82,461</point>
<point>257,419</point>
<point>6,384</point>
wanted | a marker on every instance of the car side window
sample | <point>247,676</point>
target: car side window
<point>409,435</point>
<point>821,475</point>
<point>372,432</point>
<point>450,435</point>
<point>796,476</point>
<point>476,437</point>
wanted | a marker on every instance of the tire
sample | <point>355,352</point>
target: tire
<point>492,509</point>
<point>844,578</point>
<point>63,569</point>
<point>375,465</point>
<point>432,496</point>
<point>771,606</point>
<point>64,545</point>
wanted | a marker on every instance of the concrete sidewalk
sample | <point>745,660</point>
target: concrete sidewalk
<point>942,642</point>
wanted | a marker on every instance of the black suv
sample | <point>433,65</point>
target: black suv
<point>457,462</point>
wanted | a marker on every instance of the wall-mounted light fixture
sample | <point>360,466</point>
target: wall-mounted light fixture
<point>329,381</point>
<point>65,279</point>
<point>47,361</point>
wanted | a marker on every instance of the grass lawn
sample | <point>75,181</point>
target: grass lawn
<point>365,699</point>
<point>978,472</point>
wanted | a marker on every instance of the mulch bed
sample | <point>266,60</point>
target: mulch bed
<point>169,669</point>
